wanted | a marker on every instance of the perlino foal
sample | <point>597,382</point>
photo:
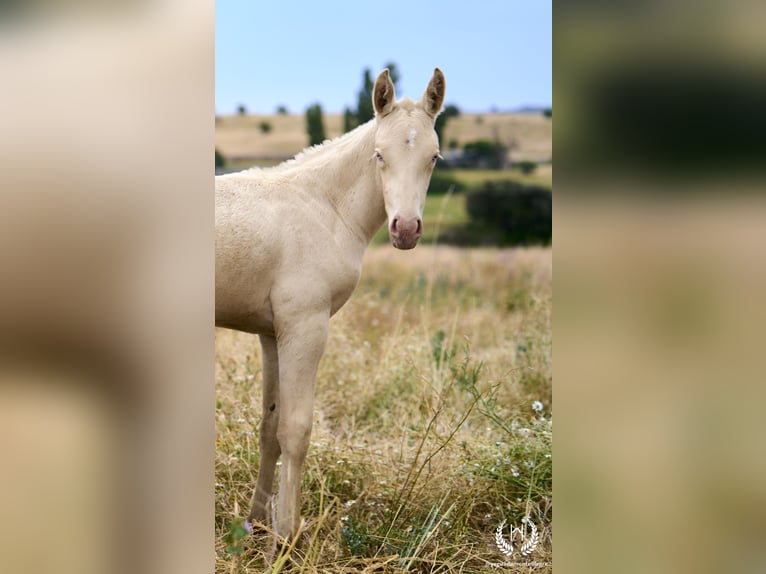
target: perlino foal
<point>288,254</point>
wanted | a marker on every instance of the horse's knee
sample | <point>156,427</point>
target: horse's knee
<point>294,437</point>
<point>269,423</point>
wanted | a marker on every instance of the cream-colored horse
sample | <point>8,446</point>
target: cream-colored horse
<point>289,247</point>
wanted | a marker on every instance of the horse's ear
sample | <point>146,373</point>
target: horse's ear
<point>383,95</point>
<point>433,98</point>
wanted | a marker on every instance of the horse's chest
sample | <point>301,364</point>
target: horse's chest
<point>324,262</point>
<point>343,289</point>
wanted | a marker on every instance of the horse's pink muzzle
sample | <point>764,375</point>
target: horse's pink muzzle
<point>405,233</point>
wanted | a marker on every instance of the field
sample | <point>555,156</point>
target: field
<point>241,141</point>
<point>543,175</point>
<point>427,430</point>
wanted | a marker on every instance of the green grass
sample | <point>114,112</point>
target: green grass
<point>475,177</point>
<point>424,436</point>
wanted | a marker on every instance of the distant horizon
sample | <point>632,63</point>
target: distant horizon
<point>525,109</point>
<point>495,54</point>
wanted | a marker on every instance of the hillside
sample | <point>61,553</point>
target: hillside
<point>241,141</point>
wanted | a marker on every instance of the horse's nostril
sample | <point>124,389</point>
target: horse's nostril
<point>393,224</point>
<point>419,230</point>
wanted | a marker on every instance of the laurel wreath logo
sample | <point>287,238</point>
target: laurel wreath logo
<point>527,545</point>
<point>504,546</point>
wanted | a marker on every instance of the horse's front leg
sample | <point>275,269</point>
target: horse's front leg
<point>269,446</point>
<point>300,347</point>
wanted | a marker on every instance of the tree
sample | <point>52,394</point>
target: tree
<point>315,124</point>
<point>241,109</point>
<point>220,161</point>
<point>364,109</point>
<point>349,120</point>
<point>265,127</point>
<point>450,111</point>
<point>282,110</point>
<point>548,112</point>
<point>393,73</point>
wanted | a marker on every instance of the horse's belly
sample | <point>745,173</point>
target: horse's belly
<point>243,312</point>
<point>242,297</point>
<point>248,324</point>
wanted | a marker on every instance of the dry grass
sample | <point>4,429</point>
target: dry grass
<point>240,136</point>
<point>532,133</point>
<point>424,436</point>
<point>240,139</point>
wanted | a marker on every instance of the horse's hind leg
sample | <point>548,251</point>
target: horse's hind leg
<point>269,446</point>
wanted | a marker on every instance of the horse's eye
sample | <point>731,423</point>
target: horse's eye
<point>437,156</point>
<point>378,155</point>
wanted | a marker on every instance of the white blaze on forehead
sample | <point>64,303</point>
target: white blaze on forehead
<point>411,138</point>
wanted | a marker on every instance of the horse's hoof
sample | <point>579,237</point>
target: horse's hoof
<point>256,527</point>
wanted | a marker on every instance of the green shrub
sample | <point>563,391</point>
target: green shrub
<point>265,127</point>
<point>520,213</point>
<point>441,181</point>
<point>485,154</point>
<point>220,161</point>
<point>526,167</point>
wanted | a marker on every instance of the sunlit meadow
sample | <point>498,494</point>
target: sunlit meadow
<point>432,421</point>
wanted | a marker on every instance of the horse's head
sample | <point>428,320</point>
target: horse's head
<point>406,151</point>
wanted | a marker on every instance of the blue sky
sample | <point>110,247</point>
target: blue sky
<point>494,53</point>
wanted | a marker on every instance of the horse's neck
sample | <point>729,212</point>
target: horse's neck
<point>343,171</point>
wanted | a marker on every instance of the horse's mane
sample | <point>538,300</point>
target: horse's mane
<point>349,138</point>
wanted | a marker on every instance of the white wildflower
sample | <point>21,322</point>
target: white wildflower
<point>537,406</point>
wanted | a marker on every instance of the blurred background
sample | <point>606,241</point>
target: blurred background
<point>659,286</point>
<point>106,251</point>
